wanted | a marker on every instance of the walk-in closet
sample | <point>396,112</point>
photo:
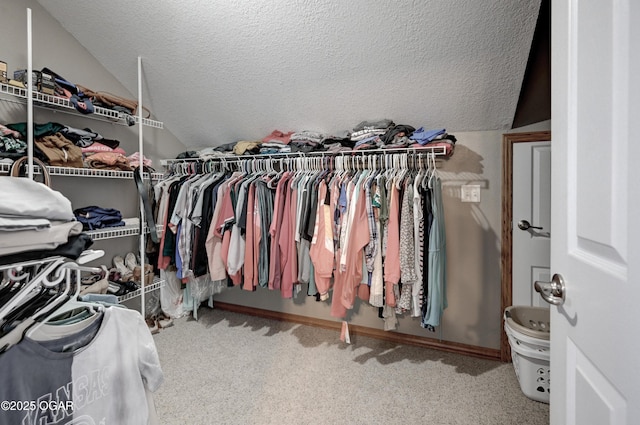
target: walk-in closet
<point>305,212</point>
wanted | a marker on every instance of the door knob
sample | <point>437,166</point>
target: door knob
<point>552,292</point>
<point>525,225</point>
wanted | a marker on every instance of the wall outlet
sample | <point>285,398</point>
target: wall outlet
<point>470,193</point>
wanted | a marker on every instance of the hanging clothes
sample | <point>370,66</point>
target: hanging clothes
<point>436,278</point>
<point>345,230</point>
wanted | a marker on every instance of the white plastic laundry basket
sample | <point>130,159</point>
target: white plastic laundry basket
<point>528,331</point>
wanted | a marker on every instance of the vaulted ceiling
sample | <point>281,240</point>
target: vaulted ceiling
<point>219,71</point>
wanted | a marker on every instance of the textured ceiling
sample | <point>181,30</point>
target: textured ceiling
<point>223,70</point>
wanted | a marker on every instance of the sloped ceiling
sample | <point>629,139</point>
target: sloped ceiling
<point>219,71</point>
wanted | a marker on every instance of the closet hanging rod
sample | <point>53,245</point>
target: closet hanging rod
<point>436,150</point>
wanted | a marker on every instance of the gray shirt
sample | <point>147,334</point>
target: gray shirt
<point>101,373</point>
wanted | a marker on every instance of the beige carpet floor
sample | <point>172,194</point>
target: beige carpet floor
<point>229,368</point>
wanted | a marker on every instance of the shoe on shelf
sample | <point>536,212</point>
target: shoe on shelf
<point>125,273</point>
<point>114,275</point>
<point>120,284</point>
<point>100,287</point>
<point>130,286</point>
<point>136,274</point>
<point>130,261</point>
<point>116,289</point>
<point>95,283</point>
<point>94,277</point>
<point>148,274</point>
<point>90,279</point>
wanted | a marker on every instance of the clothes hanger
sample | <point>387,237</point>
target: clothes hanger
<point>273,176</point>
<point>16,334</point>
<point>17,274</point>
<point>88,311</point>
<point>25,292</point>
<point>299,166</point>
<point>277,174</point>
<point>337,166</point>
<point>58,271</point>
<point>323,169</point>
<point>363,171</point>
<point>392,170</point>
<point>425,171</point>
<point>373,174</point>
<point>13,282</point>
<point>351,165</point>
<point>403,171</point>
<point>391,167</point>
<point>419,164</point>
<point>433,172</point>
<point>73,303</point>
<point>40,297</point>
<point>49,275</point>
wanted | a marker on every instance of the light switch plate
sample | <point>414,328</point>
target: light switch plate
<point>470,193</point>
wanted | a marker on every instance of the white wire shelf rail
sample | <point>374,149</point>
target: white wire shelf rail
<point>437,150</point>
<point>157,284</point>
<point>83,172</point>
<point>59,102</point>
<point>131,228</point>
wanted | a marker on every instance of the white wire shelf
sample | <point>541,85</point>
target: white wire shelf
<point>438,151</point>
<point>59,102</point>
<point>84,172</point>
<point>353,155</point>
<point>131,228</point>
<point>157,284</point>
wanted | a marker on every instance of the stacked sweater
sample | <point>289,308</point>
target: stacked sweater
<point>33,217</point>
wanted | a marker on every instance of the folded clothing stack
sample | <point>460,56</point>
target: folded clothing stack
<point>423,136</point>
<point>273,148</point>
<point>35,221</point>
<point>245,147</point>
<point>366,135</point>
<point>277,136</point>
<point>12,144</point>
<point>397,136</point>
<point>134,160</point>
<point>108,161</point>
<point>51,144</point>
<point>367,129</point>
<point>306,141</point>
<point>93,217</point>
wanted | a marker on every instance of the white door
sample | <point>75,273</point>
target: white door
<point>531,202</point>
<point>595,334</point>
